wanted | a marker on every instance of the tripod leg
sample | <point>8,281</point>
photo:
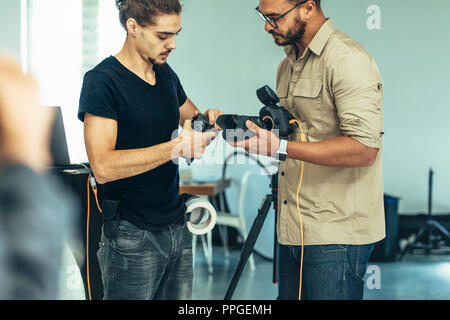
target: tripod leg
<point>441,229</point>
<point>429,239</point>
<point>411,246</point>
<point>249,244</point>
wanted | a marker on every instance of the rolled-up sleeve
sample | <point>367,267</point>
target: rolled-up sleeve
<point>358,95</point>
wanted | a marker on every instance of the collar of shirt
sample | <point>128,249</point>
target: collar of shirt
<point>317,44</point>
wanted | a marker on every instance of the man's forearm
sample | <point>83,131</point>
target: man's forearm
<point>187,111</point>
<point>337,152</point>
<point>120,164</point>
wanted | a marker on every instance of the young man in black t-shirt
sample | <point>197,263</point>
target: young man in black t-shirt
<point>131,105</point>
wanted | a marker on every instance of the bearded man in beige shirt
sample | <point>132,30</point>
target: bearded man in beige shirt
<point>333,88</point>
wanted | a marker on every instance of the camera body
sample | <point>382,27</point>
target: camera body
<point>271,117</point>
<point>201,123</point>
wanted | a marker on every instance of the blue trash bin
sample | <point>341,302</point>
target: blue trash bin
<point>387,249</point>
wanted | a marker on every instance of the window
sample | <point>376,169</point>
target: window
<point>66,39</point>
<point>111,35</point>
<point>55,51</point>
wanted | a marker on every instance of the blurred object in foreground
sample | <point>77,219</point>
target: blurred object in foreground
<point>34,208</point>
<point>25,126</point>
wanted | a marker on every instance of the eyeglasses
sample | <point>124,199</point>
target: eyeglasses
<point>273,21</point>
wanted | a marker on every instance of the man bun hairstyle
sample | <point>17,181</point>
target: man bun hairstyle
<point>145,12</point>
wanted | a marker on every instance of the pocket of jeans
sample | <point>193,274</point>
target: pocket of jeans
<point>362,260</point>
<point>187,238</point>
<point>322,254</point>
<point>333,248</point>
<point>129,237</point>
<point>101,256</point>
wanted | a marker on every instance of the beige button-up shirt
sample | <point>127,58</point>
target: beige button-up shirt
<point>334,89</point>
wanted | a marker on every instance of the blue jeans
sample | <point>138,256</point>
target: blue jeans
<point>330,272</point>
<point>144,265</point>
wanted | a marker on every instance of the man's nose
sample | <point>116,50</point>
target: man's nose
<point>172,45</point>
<point>268,27</point>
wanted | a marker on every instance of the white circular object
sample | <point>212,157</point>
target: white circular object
<point>202,216</point>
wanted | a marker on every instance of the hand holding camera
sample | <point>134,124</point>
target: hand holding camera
<point>257,135</point>
<point>193,142</point>
<point>272,118</point>
<point>263,134</point>
<point>263,142</point>
<point>203,125</point>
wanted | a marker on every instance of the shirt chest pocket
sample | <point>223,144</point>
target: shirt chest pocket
<point>308,88</point>
<point>307,102</point>
<point>282,92</point>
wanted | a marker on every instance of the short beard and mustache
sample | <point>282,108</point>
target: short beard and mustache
<point>294,34</point>
<point>156,63</point>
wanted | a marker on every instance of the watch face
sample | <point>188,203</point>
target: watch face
<point>282,151</point>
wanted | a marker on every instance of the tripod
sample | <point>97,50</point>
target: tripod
<point>427,229</point>
<point>252,237</point>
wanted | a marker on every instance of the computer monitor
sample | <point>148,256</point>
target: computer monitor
<point>59,149</point>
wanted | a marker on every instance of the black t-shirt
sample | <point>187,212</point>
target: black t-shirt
<point>146,116</point>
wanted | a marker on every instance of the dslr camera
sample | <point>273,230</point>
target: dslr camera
<point>271,117</point>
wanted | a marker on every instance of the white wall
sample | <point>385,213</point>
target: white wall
<point>412,51</point>
<point>224,55</point>
<point>10,30</point>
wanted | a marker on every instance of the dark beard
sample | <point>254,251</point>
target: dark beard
<point>158,64</point>
<point>294,34</point>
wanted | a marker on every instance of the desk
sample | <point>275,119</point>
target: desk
<point>210,189</point>
<point>215,191</point>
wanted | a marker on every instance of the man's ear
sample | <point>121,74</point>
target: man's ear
<point>308,9</point>
<point>132,27</point>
